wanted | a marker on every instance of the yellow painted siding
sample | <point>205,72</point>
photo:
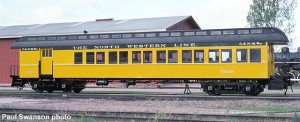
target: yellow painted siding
<point>162,71</point>
<point>64,66</point>
<point>29,62</point>
<point>46,61</point>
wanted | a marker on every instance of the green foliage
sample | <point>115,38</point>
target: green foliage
<point>273,13</point>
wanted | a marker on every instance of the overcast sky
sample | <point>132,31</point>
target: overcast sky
<point>207,13</point>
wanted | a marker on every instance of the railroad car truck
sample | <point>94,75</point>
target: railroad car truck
<point>224,61</point>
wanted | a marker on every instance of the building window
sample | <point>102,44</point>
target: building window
<point>123,57</point>
<point>173,56</point>
<point>147,56</point>
<point>241,55</point>
<point>77,58</point>
<point>161,57</point>
<point>90,57</point>
<point>255,55</point>
<point>227,56</point>
<point>112,57</point>
<point>213,56</point>
<point>199,56</point>
<point>186,56</point>
<point>136,56</point>
<point>100,57</point>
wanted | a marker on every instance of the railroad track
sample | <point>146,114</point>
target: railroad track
<point>130,97</point>
<point>129,116</point>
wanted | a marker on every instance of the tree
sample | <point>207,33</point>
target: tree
<point>273,13</point>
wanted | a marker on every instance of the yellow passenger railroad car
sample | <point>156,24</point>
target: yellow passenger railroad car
<point>229,60</point>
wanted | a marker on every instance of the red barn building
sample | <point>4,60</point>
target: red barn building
<point>9,34</point>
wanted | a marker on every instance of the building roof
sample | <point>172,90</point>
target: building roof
<point>102,26</point>
<point>237,36</point>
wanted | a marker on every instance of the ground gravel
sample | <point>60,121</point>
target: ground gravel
<point>154,106</point>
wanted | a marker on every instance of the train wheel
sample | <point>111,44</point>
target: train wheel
<point>252,89</point>
<point>37,87</point>
<point>77,90</point>
<point>66,88</point>
<point>210,89</point>
<point>249,89</point>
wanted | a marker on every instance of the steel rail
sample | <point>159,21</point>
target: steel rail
<point>129,97</point>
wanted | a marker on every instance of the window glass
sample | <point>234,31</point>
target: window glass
<point>241,55</point>
<point>199,56</point>
<point>77,58</point>
<point>255,55</point>
<point>161,56</point>
<point>173,56</point>
<point>186,56</point>
<point>46,53</point>
<point>50,52</point>
<point>100,57</point>
<point>226,55</point>
<point>90,57</point>
<point>213,56</point>
<point>123,57</point>
<point>112,57</point>
<point>43,52</point>
<point>147,56</point>
<point>136,56</point>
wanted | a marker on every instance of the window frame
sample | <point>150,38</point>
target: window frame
<point>103,58</point>
<point>88,56</point>
<point>255,61</point>
<point>170,52</point>
<point>50,53</point>
<point>125,59</point>
<point>150,58</point>
<point>115,61</point>
<point>195,51</point>
<point>217,55</point>
<point>242,61</point>
<point>76,58</point>
<point>136,55</point>
<point>158,60</point>
<point>230,55</point>
<point>182,56</point>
